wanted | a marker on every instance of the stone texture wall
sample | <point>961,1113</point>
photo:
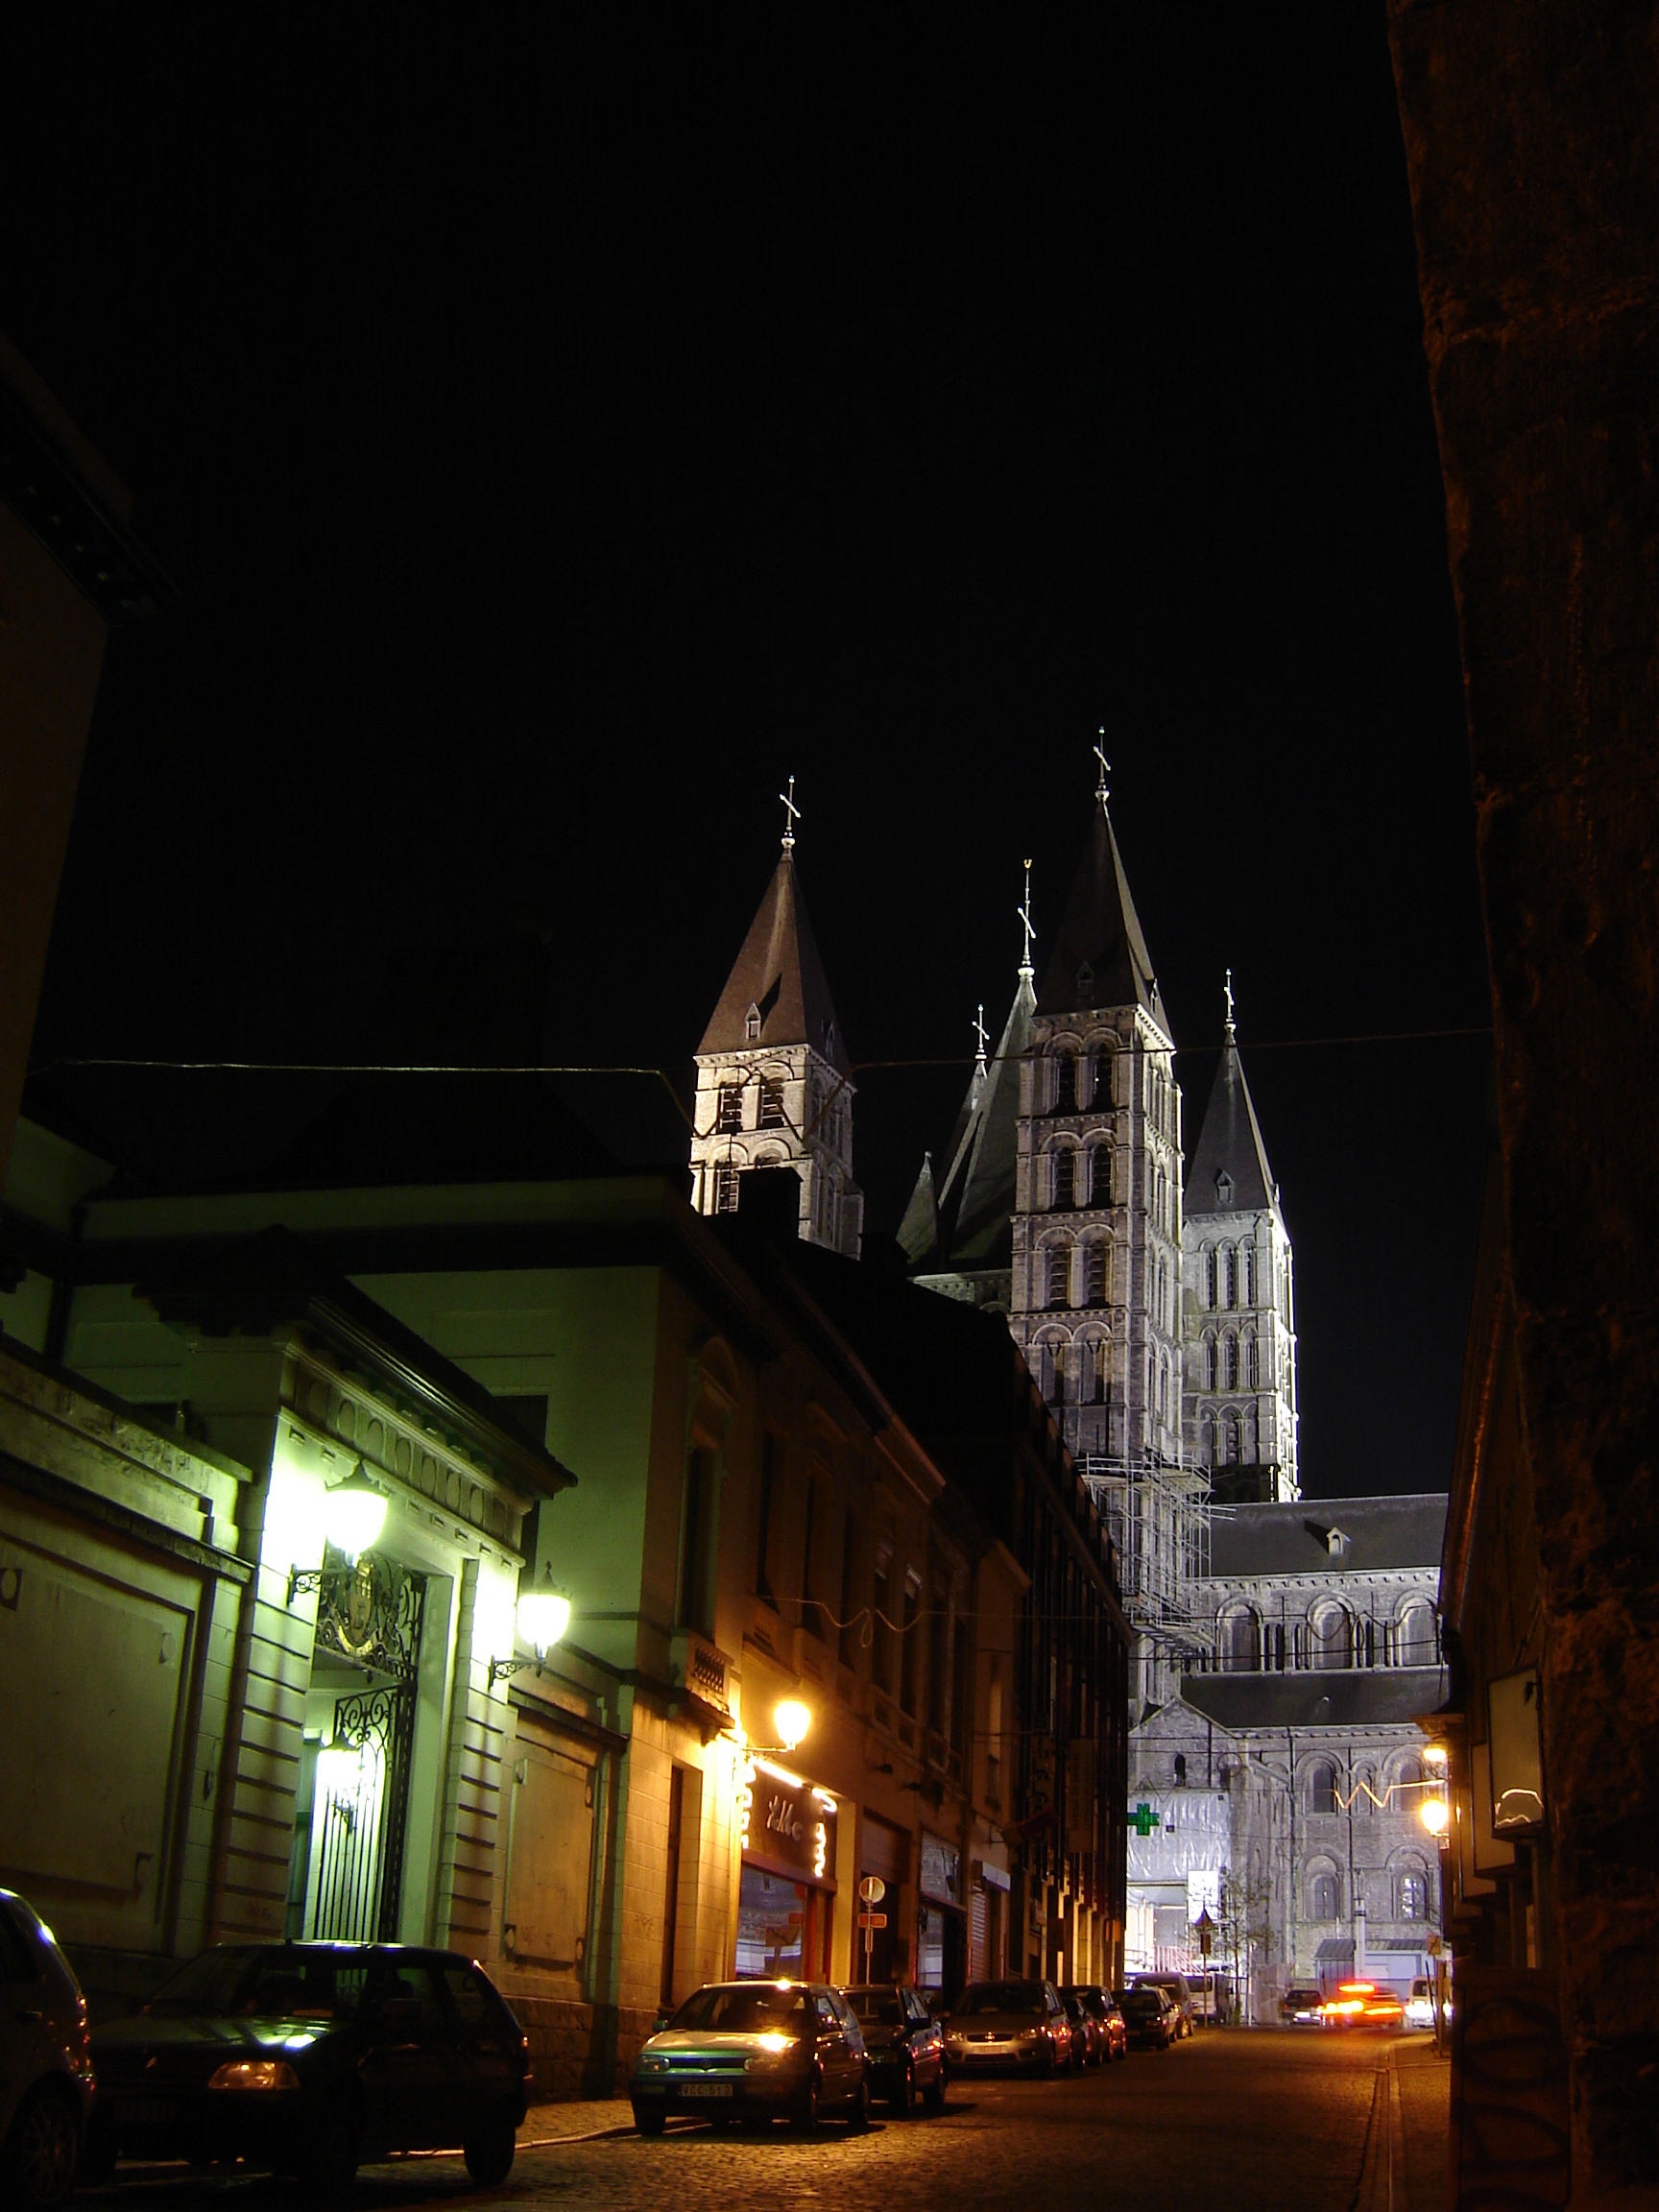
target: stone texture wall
<point>578,2050</point>
<point>1531,132</point>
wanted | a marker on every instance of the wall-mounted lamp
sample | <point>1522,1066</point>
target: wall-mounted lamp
<point>542,1619</point>
<point>791,1719</point>
<point>353,1518</point>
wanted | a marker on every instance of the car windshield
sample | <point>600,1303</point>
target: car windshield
<point>262,1983</point>
<point>878,2007</point>
<point>1001,1997</point>
<point>745,2009</point>
<point>1142,2001</point>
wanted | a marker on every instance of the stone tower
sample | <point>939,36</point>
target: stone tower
<point>1239,1412</point>
<point>772,1085</point>
<point>1096,1225</point>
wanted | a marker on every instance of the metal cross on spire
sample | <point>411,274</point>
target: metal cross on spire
<point>981,1033</point>
<point>1232,1033</point>
<point>1028,925</point>
<point>1101,791</point>
<point>791,815</point>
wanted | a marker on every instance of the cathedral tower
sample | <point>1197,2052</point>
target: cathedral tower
<point>1240,1308</point>
<point>1096,1225</point>
<point>772,1087</point>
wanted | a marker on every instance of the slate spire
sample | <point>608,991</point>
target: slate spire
<point>1230,1164</point>
<point>1099,956</point>
<point>777,992</point>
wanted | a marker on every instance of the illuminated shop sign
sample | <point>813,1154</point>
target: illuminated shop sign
<point>784,1818</point>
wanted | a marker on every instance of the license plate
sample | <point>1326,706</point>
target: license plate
<point>145,2111</point>
<point>705,2089</point>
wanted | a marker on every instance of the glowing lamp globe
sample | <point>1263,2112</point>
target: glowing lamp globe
<point>543,1617</point>
<point>1434,1815</point>
<point>791,1719</point>
<point>1435,1757</point>
<point>353,1515</point>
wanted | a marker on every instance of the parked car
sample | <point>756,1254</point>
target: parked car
<point>1420,2004</point>
<point>754,2050</point>
<point>1019,2024</point>
<point>1113,2034</point>
<point>45,2062</point>
<point>906,2044</point>
<point>1148,2014</point>
<point>307,2058</point>
<point>1087,2047</point>
<point>1300,2007</point>
<point>1176,1988</point>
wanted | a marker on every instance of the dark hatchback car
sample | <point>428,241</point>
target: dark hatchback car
<point>906,2043</point>
<point>754,2050</point>
<point>1148,2015</point>
<point>45,2062</point>
<point>308,2058</point>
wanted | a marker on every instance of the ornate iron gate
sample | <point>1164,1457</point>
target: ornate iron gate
<point>371,1614</point>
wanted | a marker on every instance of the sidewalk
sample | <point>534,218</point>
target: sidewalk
<point>1426,2120</point>
<point>581,2120</point>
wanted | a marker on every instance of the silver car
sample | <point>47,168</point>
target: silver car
<point>754,2050</point>
<point>1017,2024</point>
<point>45,2062</point>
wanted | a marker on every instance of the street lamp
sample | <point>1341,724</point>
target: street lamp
<point>540,1618</point>
<point>1434,1814</point>
<point>354,1517</point>
<point>791,1719</point>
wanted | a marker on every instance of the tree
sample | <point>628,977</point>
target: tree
<point>1242,1916</point>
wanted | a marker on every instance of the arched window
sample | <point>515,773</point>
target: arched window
<point>1100,1176</point>
<point>1046,1372</point>
<point>1057,1288</point>
<point>1244,1645</point>
<point>1322,1897</point>
<point>1230,1439</point>
<point>1065,1176</point>
<point>729,1112</point>
<point>1365,1789</point>
<point>1065,1084</point>
<point>1415,1640</point>
<point>1229,1276</point>
<point>1097,1271</point>
<point>1413,1896</point>
<point>1163,1390</point>
<point>1246,1276</point>
<point>1230,1361</point>
<point>1322,1792</point>
<point>1333,1646</point>
<point>1211,1291</point>
<point>1207,1441</point>
<point>1209,1363</point>
<point>1252,1363</point>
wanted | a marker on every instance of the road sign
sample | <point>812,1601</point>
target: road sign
<point>872,1889</point>
<point>872,1919</point>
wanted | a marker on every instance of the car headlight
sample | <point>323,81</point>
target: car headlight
<point>652,2062</point>
<point>1033,2036</point>
<point>256,2074</point>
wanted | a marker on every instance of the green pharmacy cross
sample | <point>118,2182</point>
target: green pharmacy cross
<point>1144,1820</point>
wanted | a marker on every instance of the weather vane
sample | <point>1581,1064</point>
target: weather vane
<point>1231,1033</point>
<point>1028,925</point>
<point>791,815</point>
<point>981,1033</point>
<point>1101,791</point>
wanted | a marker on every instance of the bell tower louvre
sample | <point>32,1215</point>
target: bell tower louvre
<point>772,1071</point>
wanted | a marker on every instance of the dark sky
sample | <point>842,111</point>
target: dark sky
<point>556,446</point>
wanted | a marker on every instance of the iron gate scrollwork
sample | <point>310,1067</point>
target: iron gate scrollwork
<point>373,1619</point>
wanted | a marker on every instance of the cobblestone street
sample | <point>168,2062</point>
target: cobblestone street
<point>1275,2120</point>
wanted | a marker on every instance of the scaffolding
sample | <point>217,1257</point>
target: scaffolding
<point>1159,1518</point>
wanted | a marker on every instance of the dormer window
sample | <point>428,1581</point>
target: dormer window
<point>829,1036</point>
<point>1223,1189</point>
<point>1336,1542</point>
<point>1085,985</point>
<point>752,1024</point>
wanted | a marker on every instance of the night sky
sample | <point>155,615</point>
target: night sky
<point>555,446</point>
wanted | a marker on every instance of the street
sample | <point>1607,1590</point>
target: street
<point>1273,2119</point>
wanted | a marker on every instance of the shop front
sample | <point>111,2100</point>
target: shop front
<point>941,1919</point>
<point>786,1895</point>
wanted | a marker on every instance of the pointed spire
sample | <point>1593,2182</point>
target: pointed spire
<point>1028,925</point>
<point>1099,956</point>
<point>1232,1031</point>
<point>1101,791</point>
<point>777,992</point>
<point>1230,1168</point>
<point>791,815</point>
<point>980,1034</point>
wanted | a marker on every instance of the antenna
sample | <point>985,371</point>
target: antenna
<point>791,815</point>
<point>1101,791</point>
<point>1232,1033</point>
<point>980,1033</point>
<point>1028,925</point>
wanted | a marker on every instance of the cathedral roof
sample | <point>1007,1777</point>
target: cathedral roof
<point>964,1219</point>
<point>1101,935</point>
<point>1387,1697</point>
<point>1376,1533</point>
<point>780,974</point>
<point>1230,1145</point>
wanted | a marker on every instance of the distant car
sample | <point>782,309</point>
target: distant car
<point>1300,2007</point>
<point>1113,2034</point>
<point>1420,2004</point>
<point>308,2058</point>
<point>45,2062</point>
<point>755,2050</point>
<point>1017,2024</point>
<point>1087,2045</point>
<point>1176,1988</point>
<point>1148,2015</point>
<point>1363,2005</point>
<point>905,2042</point>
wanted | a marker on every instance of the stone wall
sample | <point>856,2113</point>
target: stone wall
<point>579,2050</point>
<point>1531,135</point>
